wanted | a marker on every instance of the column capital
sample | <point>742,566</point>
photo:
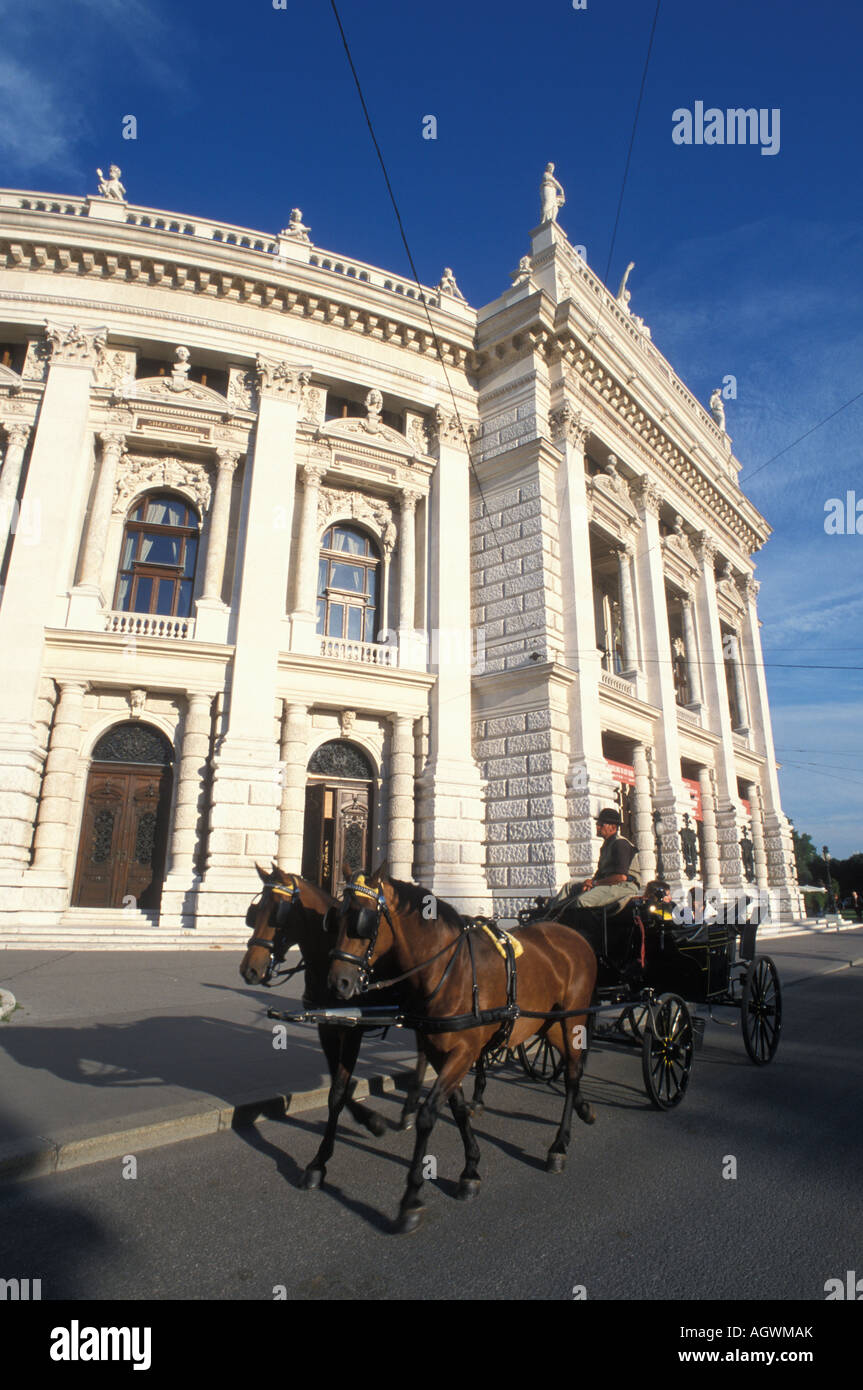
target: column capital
<point>113,441</point>
<point>409,499</point>
<point>568,426</point>
<point>448,430</point>
<point>75,346</point>
<point>648,494</point>
<point>749,587</point>
<point>227,457</point>
<point>705,547</point>
<point>72,687</point>
<point>278,378</point>
<point>17,435</point>
<point>313,473</point>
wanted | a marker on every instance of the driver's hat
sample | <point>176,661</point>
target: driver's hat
<point>608,817</point>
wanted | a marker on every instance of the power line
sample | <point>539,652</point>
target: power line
<point>631,141</point>
<point>746,476</point>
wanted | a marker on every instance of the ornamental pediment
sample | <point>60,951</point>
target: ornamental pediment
<point>367,432</point>
<point>10,379</point>
<point>610,500</point>
<point>167,388</point>
<point>678,556</point>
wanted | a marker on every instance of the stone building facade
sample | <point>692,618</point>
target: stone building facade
<point>304,562</point>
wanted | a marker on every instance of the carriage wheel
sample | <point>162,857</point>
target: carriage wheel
<point>540,1060</point>
<point>666,1054</point>
<point>761,1011</point>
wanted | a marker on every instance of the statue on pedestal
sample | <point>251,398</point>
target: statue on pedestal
<point>448,285</point>
<point>552,195</point>
<point>717,409</point>
<point>111,186</point>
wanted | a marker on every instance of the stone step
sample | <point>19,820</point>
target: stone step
<point>110,936</point>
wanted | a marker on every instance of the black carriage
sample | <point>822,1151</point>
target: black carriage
<point>651,969</point>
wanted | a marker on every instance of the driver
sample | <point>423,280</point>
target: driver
<point>616,879</point>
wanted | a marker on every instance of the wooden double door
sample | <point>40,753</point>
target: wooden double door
<point>336,829</point>
<point>121,855</point>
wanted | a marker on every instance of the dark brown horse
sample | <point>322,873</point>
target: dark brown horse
<point>384,924</point>
<point>291,912</point>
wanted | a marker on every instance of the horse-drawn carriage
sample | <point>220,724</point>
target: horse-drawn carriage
<point>470,990</point>
<point>651,969</point>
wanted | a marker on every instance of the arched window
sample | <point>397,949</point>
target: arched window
<point>157,563</point>
<point>348,585</point>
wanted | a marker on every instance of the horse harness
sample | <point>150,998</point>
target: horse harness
<point>290,897</point>
<point>367,928</point>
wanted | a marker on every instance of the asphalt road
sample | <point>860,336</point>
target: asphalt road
<point>643,1210</point>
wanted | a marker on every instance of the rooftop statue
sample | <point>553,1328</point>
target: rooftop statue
<point>552,195</point>
<point>623,294</point>
<point>295,227</point>
<point>717,409</point>
<point>111,186</point>
<point>448,285</point>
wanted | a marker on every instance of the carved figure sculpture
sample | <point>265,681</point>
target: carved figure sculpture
<point>448,285</point>
<point>717,409</point>
<point>623,294</point>
<point>111,186</point>
<point>552,195</point>
<point>523,274</point>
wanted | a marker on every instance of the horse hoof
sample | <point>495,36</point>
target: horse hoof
<point>409,1220</point>
<point>312,1178</point>
<point>587,1113</point>
<point>555,1163</point>
<point>475,1108</point>
<point>468,1188</point>
<point>406,1122</point>
<point>376,1125</point>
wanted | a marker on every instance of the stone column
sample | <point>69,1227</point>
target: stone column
<point>293,754</point>
<point>710,867</point>
<point>113,443</point>
<point>13,460</point>
<point>451,814</point>
<point>244,819</point>
<point>759,854</point>
<point>643,815</point>
<point>719,718</point>
<point>407,562</point>
<point>52,830</point>
<point>220,512</point>
<point>401,809</point>
<point>308,547</point>
<point>36,576</point>
<point>670,799</point>
<point>739,686</point>
<point>627,607</point>
<point>588,782</point>
<point>191,775</point>
<point>689,642</point>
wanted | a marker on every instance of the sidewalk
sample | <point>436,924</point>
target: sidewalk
<point>110,1053</point>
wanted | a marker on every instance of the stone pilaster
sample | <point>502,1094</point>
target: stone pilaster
<point>220,511</point>
<point>294,757</point>
<point>693,666</point>
<point>450,796</point>
<point>759,853</point>
<point>308,544</point>
<point>739,686</point>
<point>643,815</point>
<point>13,461</point>
<point>244,820</point>
<point>710,871</point>
<point>113,443</point>
<point>401,807</point>
<point>52,830</point>
<point>183,879</point>
<point>37,579</point>
<point>407,562</point>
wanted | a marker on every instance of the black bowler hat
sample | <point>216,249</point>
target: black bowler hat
<point>608,817</point>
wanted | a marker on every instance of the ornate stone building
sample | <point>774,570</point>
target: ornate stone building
<point>302,561</point>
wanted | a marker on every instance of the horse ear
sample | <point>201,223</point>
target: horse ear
<point>263,874</point>
<point>347,871</point>
<point>382,872</point>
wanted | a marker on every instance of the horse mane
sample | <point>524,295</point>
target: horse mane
<point>413,895</point>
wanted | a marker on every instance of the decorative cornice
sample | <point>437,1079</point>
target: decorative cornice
<point>705,547</point>
<point>648,495</point>
<point>447,431</point>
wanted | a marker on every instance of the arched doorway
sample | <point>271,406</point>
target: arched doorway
<point>125,824</point>
<point>338,813</point>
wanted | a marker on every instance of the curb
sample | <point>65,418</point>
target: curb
<point>40,1155</point>
<point>8,1004</point>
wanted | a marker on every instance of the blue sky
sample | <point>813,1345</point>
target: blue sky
<point>746,263</point>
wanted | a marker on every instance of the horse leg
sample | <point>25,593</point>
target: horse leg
<point>450,1075</point>
<point>476,1106</point>
<point>344,1046</point>
<point>415,1085</point>
<point>556,1159</point>
<point>468,1183</point>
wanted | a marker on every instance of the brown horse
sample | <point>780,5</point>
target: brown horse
<point>451,969</point>
<point>291,912</point>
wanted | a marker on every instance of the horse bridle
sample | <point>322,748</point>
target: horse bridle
<point>276,947</point>
<point>367,928</point>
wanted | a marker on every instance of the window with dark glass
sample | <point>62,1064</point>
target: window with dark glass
<point>348,582</point>
<point>157,562</point>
